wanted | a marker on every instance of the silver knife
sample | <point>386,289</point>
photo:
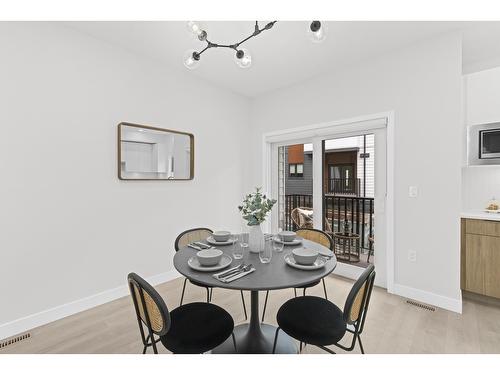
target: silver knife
<point>204,245</point>
<point>194,247</point>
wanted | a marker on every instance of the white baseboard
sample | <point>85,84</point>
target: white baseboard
<point>443,302</point>
<point>352,272</point>
<point>43,317</point>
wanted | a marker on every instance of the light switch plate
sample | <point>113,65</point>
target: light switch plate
<point>413,191</point>
<point>412,255</point>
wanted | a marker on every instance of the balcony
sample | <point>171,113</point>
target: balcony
<point>357,211</point>
<point>343,186</point>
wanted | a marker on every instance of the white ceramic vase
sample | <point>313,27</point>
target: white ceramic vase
<point>255,237</point>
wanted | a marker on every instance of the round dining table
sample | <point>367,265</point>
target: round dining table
<point>257,337</point>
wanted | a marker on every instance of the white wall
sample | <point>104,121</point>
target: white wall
<point>422,84</point>
<point>69,228</point>
<point>482,105</point>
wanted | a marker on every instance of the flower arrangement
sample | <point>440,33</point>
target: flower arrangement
<point>255,207</point>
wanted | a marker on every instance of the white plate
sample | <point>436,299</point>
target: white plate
<point>212,241</point>
<point>319,263</point>
<point>223,263</point>
<point>296,241</point>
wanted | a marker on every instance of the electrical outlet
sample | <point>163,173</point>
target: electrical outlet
<point>412,191</point>
<point>412,255</point>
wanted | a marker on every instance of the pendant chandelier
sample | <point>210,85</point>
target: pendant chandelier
<point>242,57</point>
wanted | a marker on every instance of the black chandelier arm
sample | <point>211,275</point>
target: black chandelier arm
<point>236,45</point>
<point>257,31</point>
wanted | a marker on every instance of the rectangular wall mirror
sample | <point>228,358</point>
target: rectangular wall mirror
<point>147,153</point>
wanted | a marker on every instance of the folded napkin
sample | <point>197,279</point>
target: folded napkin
<point>233,277</point>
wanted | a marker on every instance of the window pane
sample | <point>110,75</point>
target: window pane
<point>300,168</point>
<point>292,168</point>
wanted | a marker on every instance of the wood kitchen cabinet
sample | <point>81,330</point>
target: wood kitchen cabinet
<point>480,257</point>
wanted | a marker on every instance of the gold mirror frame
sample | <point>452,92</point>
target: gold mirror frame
<point>119,138</point>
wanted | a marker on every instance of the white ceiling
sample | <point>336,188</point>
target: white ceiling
<point>284,55</point>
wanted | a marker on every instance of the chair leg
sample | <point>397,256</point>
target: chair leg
<point>304,292</point>
<point>145,345</point>
<point>295,291</point>
<point>275,339</point>
<point>153,342</point>
<point>265,305</point>
<point>183,289</point>
<point>361,345</point>
<point>300,347</point>
<point>211,294</point>
<point>324,288</point>
<point>244,307</point>
<point>234,342</point>
<point>208,295</point>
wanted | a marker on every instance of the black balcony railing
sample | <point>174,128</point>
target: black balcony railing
<point>356,211</point>
<point>294,201</point>
<point>344,186</point>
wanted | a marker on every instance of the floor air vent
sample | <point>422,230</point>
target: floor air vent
<point>13,340</point>
<point>420,305</point>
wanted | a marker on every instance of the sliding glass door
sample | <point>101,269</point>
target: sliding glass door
<point>348,196</point>
<point>336,183</point>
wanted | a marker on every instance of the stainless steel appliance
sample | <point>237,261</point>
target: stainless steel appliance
<point>483,144</point>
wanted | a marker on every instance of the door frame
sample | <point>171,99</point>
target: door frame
<point>311,134</point>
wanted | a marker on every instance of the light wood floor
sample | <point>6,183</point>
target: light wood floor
<point>392,325</point>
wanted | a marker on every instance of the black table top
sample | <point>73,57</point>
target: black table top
<point>274,275</point>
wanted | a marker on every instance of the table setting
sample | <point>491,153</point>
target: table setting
<point>209,258</point>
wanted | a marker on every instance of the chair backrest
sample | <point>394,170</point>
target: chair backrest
<point>305,222</point>
<point>317,236</point>
<point>191,235</point>
<point>301,220</point>
<point>150,308</point>
<point>358,299</point>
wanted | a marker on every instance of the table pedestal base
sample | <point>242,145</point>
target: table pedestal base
<point>257,342</point>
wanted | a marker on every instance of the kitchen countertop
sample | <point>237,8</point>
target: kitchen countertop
<point>480,214</point>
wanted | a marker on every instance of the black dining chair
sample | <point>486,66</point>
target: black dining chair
<point>319,237</point>
<point>193,328</point>
<point>199,235</point>
<point>317,321</point>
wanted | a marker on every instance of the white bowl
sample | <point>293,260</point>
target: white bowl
<point>287,236</point>
<point>209,257</point>
<point>305,256</point>
<point>221,236</point>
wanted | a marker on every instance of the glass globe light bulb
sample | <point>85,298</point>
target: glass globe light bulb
<point>191,59</point>
<point>193,27</point>
<point>243,58</point>
<point>317,31</point>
